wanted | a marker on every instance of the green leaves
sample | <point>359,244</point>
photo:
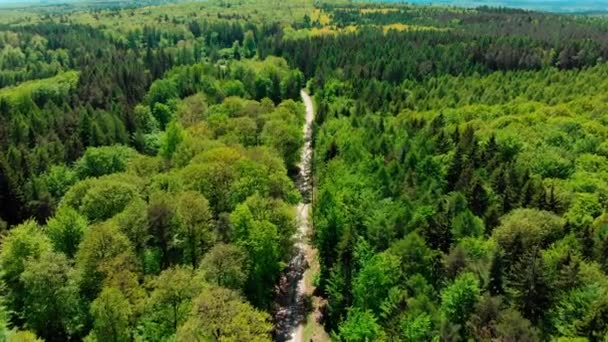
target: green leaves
<point>195,231</point>
<point>415,257</point>
<point>59,179</point>
<point>52,303</point>
<point>373,282</point>
<point>465,224</point>
<point>533,228</point>
<point>112,314</point>
<point>360,326</point>
<point>262,245</point>
<point>576,309</point>
<point>23,242</point>
<point>417,328</point>
<point>99,161</point>
<point>226,266</point>
<point>66,230</point>
<point>22,246</point>
<point>102,198</point>
<point>100,246</point>
<point>286,138</point>
<point>220,314</point>
<point>459,298</point>
<point>170,302</point>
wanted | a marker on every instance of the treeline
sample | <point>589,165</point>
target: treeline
<point>370,53</point>
<point>184,243</point>
<point>343,16</point>
<point>442,41</point>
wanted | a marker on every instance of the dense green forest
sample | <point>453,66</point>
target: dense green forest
<point>149,162</point>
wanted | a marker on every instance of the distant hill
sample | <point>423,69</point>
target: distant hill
<point>82,3</point>
<point>562,6</point>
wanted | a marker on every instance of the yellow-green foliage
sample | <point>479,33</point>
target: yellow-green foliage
<point>240,10</point>
<point>18,16</point>
<point>59,85</point>
<point>321,17</point>
<point>405,27</point>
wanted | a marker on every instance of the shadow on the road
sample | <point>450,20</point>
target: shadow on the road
<point>292,308</point>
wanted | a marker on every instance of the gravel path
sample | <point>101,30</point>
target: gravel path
<point>294,298</point>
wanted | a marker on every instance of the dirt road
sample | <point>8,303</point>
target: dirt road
<point>295,291</point>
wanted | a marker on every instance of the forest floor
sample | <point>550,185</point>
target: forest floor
<point>299,313</point>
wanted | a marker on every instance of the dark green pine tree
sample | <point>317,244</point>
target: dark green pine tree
<point>553,202</point>
<point>586,237</point>
<point>456,137</point>
<point>497,269</point>
<point>385,181</point>
<point>455,169</point>
<point>466,176</point>
<point>492,216</point>
<point>442,143</point>
<point>539,199</point>
<point>498,179</point>
<point>437,124</point>
<point>345,263</point>
<point>504,184</point>
<point>527,193</point>
<point>85,128</point>
<point>478,197</point>
<point>491,153</point>
<point>467,140</point>
<point>530,288</point>
<point>533,194</point>
<point>437,232</point>
<point>359,108</point>
<point>512,193</point>
<point>601,252</point>
<point>569,268</point>
<point>514,251</point>
<point>336,298</point>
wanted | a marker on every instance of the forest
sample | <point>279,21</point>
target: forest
<point>151,162</point>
